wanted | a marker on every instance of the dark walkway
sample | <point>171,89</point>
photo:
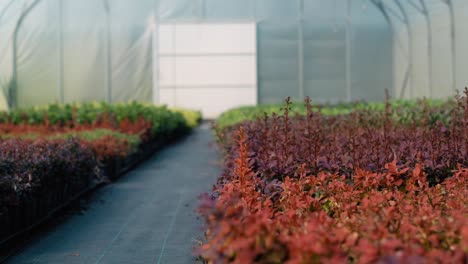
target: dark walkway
<point>148,216</point>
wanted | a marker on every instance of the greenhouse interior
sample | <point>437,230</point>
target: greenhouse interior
<point>233,131</point>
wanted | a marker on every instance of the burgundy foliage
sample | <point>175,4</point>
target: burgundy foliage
<point>28,167</point>
<point>359,188</point>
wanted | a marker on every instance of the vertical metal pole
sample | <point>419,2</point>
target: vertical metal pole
<point>174,64</point>
<point>155,62</point>
<point>348,51</point>
<point>387,18</point>
<point>60,62</point>
<point>410,49</point>
<point>429,46</point>
<point>108,53</point>
<point>300,49</point>
<point>453,44</point>
<point>257,57</point>
<point>13,86</point>
<point>155,50</point>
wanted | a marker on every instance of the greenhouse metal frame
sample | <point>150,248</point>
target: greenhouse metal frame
<point>37,48</point>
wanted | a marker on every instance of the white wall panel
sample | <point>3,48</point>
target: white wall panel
<point>167,71</point>
<point>208,67</point>
<point>214,101</point>
<point>228,70</point>
<point>215,38</point>
<point>168,97</point>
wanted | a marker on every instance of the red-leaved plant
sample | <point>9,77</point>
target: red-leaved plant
<point>357,188</point>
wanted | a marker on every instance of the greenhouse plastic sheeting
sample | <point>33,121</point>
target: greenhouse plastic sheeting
<point>69,50</point>
<point>63,54</point>
<point>442,78</point>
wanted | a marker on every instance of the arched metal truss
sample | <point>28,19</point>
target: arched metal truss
<point>395,13</point>
<point>402,15</point>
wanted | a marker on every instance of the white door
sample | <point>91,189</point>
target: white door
<point>206,66</point>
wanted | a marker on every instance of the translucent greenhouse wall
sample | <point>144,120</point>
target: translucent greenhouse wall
<point>447,74</point>
<point>68,50</point>
<point>330,50</point>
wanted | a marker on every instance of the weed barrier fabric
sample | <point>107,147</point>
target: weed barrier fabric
<point>33,208</point>
<point>53,154</point>
<point>130,220</point>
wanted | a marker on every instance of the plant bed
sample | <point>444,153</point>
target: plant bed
<point>51,156</point>
<point>358,187</point>
<point>50,173</point>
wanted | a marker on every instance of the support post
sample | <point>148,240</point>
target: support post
<point>384,9</point>
<point>155,52</point>
<point>453,43</point>
<point>410,50</point>
<point>60,61</point>
<point>108,52</point>
<point>387,18</point>
<point>13,86</point>
<point>155,60</point>
<point>300,50</point>
<point>425,12</point>
<point>427,17</point>
<point>348,50</point>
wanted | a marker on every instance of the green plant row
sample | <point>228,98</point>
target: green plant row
<point>403,110</point>
<point>163,119</point>
<point>193,118</point>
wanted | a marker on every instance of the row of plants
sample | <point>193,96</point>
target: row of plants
<point>363,186</point>
<point>403,110</point>
<point>37,176</point>
<point>104,143</point>
<point>50,155</point>
<point>88,112</point>
<point>111,130</point>
<point>122,116</point>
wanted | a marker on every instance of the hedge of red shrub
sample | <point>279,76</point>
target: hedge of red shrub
<point>358,188</point>
<point>40,168</point>
<point>50,155</point>
<point>107,147</point>
<point>138,127</point>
